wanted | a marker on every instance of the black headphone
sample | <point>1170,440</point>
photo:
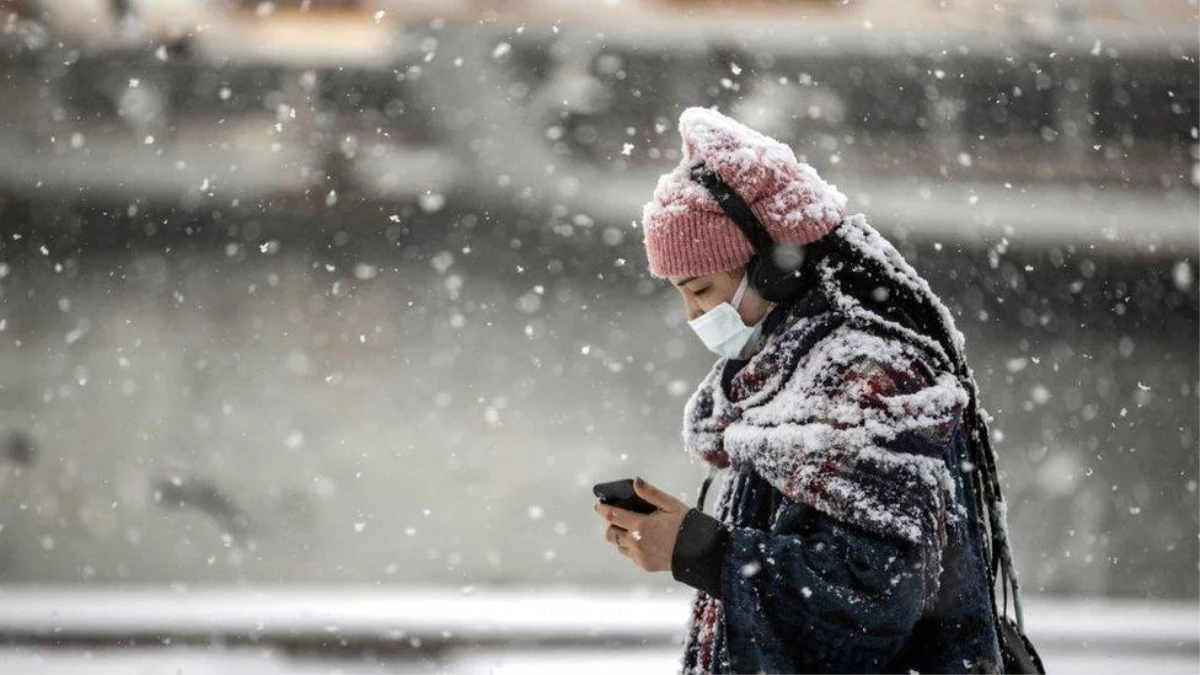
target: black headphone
<point>775,272</point>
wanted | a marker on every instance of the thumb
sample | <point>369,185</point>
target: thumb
<point>653,495</point>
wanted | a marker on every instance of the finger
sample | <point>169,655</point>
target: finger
<point>654,495</point>
<point>636,556</point>
<point>625,519</point>
<point>612,534</point>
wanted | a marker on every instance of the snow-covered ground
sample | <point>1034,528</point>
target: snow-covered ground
<point>361,630</point>
<point>217,659</point>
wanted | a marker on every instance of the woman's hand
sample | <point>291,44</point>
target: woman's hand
<point>646,538</point>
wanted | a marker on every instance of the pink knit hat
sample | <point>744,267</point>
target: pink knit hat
<point>686,231</point>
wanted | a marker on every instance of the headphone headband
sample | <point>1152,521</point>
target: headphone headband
<point>736,208</point>
<point>768,278</point>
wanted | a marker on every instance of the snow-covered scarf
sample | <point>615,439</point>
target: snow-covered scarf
<point>815,411</point>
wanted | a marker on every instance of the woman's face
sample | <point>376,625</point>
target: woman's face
<point>701,294</point>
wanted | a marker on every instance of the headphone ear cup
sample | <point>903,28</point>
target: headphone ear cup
<point>764,278</point>
<point>754,271</point>
<point>773,283</point>
<point>763,281</point>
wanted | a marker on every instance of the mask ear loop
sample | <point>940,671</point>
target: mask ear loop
<point>741,290</point>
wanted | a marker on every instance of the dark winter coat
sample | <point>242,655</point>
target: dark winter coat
<point>847,536</point>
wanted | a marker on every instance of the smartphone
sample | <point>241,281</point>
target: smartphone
<point>619,493</point>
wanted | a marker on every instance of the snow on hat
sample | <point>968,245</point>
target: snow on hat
<point>686,231</point>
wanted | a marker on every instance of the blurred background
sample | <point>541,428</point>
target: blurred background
<point>320,318</point>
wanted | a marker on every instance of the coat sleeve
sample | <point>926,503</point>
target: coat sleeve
<point>699,552</point>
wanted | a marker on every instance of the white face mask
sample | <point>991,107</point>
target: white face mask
<point>721,328</point>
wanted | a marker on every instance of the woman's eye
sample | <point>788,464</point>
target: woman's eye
<point>700,292</point>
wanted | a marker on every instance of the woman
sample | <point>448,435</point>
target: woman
<point>860,525</point>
